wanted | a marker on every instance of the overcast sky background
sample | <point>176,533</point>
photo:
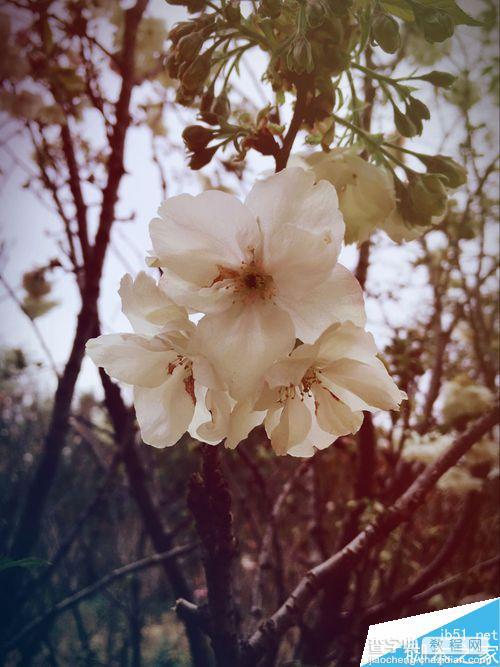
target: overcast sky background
<point>30,230</point>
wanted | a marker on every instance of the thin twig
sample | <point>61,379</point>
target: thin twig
<point>84,593</point>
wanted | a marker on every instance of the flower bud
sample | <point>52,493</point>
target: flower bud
<point>435,24</point>
<point>202,158</point>
<point>439,79</point>
<point>196,74</point>
<point>184,97</point>
<point>206,107</point>
<point>189,46</point>
<point>428,197</point>
<point>300,58</point>
<point>404,125</point>
<point>270,8</point>
<point>455,174</point>
<point>339,7</point>
<point>262,141</point>
<point>180,30</point>
<point>191,5</point>
<point>315,13</point>
<point>172,65</point>
<point>197,137</point>
<point>232,13</point>
<point>385,31</point>
<point>214,109</point>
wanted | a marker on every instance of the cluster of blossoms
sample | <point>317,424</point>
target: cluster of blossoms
<point>281,340</point>
<point>477,467</point>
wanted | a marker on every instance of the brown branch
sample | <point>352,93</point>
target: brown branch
<point>312,583</point>
<point>36,498</point>
<point>383,610</point>
<point>267,540</point>
<point>161,539</point>
<point>84,593</point>
<point>210,503</point>
<point>459,577</point>
<point>281,158</point>
<point>76,191</point>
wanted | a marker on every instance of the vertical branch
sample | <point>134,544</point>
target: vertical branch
<point>282,156</point>
<point>210,503</point>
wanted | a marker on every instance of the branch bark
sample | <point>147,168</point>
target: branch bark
<point>210,502</point>
<point>291,611</point>
<point>28,528</point>
<point>84,593</point>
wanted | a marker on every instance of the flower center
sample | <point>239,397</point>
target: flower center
<point>249,283</point>
<point>308,380</point>
<point>254,282</point>
<point>302,390</point>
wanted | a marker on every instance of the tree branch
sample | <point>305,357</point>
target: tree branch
<point>293,608</point>
<point>84,593</point>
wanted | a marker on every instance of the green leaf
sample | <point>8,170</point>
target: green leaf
<point>453,10</point>
<point>403,10</point>
<point>7,563</point>
<point>399,8</point>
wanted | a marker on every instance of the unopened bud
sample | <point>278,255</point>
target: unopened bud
<point>339,7</point>
<point>300,58</point>
<point>180,30</point>
<point>202,158</point>
<point>315,13</point>
<point>435,24</point>
<point>270,8</point>
<point>385,31</point>
<point>189,46</point>
<point>172,65</point>
<point>263,141</point>
<point>196,74</point>
<point>184,97</point>
<point>428,196</point>
<point>455,174</point>
<point>197,137</point>
<point>232,13</point>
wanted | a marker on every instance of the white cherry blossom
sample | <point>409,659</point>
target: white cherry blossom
<point>264,272</point>
<point>318,393</point>
<point>175,388</point>
<point>366,194</point>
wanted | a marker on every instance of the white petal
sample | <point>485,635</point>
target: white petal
<point>243,341</point>
<point>164,413</point>
<point>197,299</point>
<point>203,371</point>
<point>244,418</point>
<point>315,439</point>
<point>193,235</point>
<point>132,358</point>
<point>293,426</point>
<point>334,416</point>
<point>148,308</point>
<point>298,261</point>
<point>211,416</point>
<point>338,299</point>
<point>292,197</point>
<point>366,192</point>
<point>363,386</point>
<point>291,370</point>
<point>345,340</point>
